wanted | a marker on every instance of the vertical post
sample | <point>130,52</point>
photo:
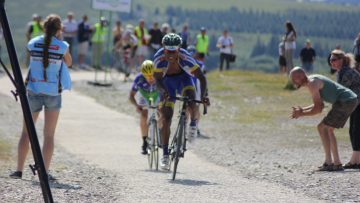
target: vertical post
<point>21,91</point>
<point>108,46</point>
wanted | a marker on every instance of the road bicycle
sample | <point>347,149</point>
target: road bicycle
<point>153,135</point>
<point>178,144</point>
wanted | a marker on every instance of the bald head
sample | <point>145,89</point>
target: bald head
<point>298,77</point>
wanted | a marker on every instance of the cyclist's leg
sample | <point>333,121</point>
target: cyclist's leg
<point>167,110</point>
<point>143,123</point>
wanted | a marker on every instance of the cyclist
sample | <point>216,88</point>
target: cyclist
<point>173,69</point>
<point>192,51</point>
<point>145,84</point>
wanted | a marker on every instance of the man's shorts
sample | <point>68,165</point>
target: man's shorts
<point>178,84</point>
<point>339,113</point>
<point>37,101</point>
<point>142,50</point>
<point>83,48</point>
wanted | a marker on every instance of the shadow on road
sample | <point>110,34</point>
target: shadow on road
<point>191,182</point>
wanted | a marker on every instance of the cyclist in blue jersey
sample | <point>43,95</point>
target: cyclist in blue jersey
<point>174,68</point>
<point>195,122</point>
<point>145,84</point>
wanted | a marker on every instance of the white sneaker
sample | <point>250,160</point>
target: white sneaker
<point>165,163</point>
<point>192,133</point>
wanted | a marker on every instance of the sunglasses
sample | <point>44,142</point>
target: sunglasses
<point>334,59</point>
<point>171,51</point>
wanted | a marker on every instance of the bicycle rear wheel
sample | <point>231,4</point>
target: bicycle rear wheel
<point>178,145</point>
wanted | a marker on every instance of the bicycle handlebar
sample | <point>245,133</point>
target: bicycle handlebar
<point>187,99</point>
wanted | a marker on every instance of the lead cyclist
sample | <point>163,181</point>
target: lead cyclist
<point>174,68</point>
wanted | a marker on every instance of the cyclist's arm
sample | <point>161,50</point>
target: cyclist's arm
<point>159,84</point>
<point>203,83</point>
<point>133,101</point>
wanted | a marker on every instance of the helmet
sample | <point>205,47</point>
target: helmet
<point>191,49</point>
<point>171,41</point>
<point>147,68</point>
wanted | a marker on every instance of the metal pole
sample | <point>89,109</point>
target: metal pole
<point>21,92</point>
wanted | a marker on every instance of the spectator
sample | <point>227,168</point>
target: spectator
<point>356,52</point>
<point>165,29</point>
<point>1,38</point>
<point>349,78</point>
<point>202,44</point>
<point>117,32</point>
<point>343,100</point>
<point>69,30</point>
<point>225,43</point>
<point>143,37</point>
<point>44,89</point>
<point>83,35</point>
<point>332,71</point>
<point>97,40</point>
<point>185,36</point>
<point>282,60</point>
<point>307,57</point>
<point>155,39</point>
<point>34,29</point>
<point>290,44</point>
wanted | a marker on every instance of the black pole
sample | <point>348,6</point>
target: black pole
<point>21,91</point>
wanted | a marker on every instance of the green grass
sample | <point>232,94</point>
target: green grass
<point>253,97</point>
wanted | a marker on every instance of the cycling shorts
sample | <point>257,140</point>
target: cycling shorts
<point>177,84</point>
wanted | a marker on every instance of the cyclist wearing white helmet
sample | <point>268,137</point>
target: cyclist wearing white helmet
<point>174,68</point>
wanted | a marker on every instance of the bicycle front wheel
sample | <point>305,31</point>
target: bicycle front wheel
<point>178,145</point>
<point>156,145</point>
<point>152,151</point>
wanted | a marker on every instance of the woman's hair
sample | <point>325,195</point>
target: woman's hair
<point>290,28</point>
<point>348,58</point>
<point>52,25</point>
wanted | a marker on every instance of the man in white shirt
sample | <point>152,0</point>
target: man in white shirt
<point>70,30</point>
<point>225,43</point>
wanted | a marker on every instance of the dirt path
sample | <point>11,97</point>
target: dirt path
<point>109,140</point>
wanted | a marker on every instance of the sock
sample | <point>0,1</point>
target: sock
<point>165,150</point>
<point>193,122</point>
<point>144,140</point>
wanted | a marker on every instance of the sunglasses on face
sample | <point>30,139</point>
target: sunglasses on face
<point>334,59</point>
<point>171,51</point>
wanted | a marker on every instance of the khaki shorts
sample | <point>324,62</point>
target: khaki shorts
<point>339,113</point>
<point>83,48</point>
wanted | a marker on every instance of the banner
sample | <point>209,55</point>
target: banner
<point>112,5</point>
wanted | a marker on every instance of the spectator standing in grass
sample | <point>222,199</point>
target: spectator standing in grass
<point>307,57</point>
<point>347,76</point>
<point>225,43</point>
<point>290,44</point>
<point>282,60</point>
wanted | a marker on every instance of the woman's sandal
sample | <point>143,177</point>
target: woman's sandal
<point>351,166</point>
<point>326,167</point>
